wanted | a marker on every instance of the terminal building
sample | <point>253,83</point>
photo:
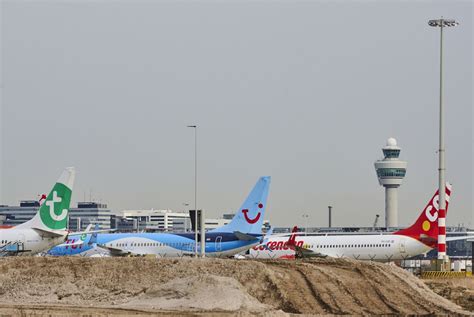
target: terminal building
<point>153,220</point>
<point>164,220</point>
<point>89,213</point>
<point>150,220</point>
<point>15,215</point>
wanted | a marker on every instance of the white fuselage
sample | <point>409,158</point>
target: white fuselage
<point>26,241</point>
<point>376,247</point>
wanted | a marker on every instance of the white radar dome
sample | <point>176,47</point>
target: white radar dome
<point>391,142</point>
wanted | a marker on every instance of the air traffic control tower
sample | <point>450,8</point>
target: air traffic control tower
<point>390,172</point>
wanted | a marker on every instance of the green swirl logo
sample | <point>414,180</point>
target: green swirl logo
<point>53,212</point>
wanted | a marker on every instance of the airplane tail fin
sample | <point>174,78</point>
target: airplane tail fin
<point>249,218</point>
<point>93,238</point>
<point>267,236</point>
<point>52,214</point>
<point>292,239</point>
<point>425,229</point>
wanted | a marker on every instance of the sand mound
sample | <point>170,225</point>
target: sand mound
<point>202,292</point>
<point>320,286</point>
<point>458,290</point>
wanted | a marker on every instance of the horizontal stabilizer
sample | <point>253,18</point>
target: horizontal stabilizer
<point>89,232</point>
<point>51,233</point>
<point>244,237</point>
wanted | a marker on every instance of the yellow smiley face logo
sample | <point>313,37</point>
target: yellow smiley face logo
<point>426,225</point>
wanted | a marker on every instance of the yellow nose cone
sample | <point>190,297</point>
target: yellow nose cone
<point>426,225</point>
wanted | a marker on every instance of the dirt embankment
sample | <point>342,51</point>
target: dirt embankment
<point>457,290</point>
<point>193,286</point>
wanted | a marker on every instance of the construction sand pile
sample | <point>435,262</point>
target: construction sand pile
<point>457,290</point>
<point>202,292</point>
<point>218,286</point>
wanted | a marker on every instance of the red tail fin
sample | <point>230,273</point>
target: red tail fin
<point>292,240</point>
<point>425,229</point>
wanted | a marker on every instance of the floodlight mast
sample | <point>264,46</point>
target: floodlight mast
<point>441,23</point>
<point>195,199</point>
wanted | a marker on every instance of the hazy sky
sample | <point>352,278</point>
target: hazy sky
<point>304,91</point>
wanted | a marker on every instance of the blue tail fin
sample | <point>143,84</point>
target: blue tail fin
<point>93,238</point>
<point>249,218</point>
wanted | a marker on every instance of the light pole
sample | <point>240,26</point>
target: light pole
<point>195,192</point>
<point>305,222</point>
<point>330,215</point>
<point>441,23</point>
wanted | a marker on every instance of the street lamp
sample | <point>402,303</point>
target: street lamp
<point>441,23</point>
<point>305,222</point>
<point>195,192</point>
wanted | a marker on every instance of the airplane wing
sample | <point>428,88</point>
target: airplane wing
<point>460,238</point>
<point>13,252</point>
<point>79,242</point>
<point>114,251</point>
<point>302,252</point>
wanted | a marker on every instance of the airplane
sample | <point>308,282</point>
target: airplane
<point>417,239</point>
<point>243,232</point>
<point>47,228</point>
<point>85,245</point>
